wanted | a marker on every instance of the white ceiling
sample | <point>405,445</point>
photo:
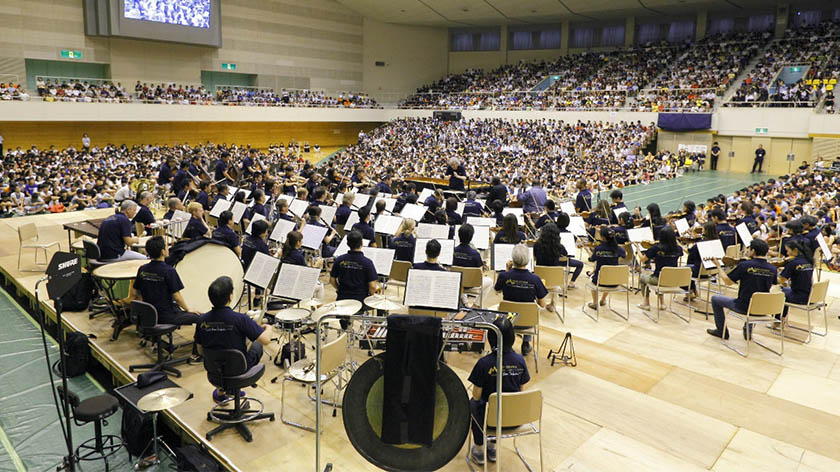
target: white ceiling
<point>523,12</point>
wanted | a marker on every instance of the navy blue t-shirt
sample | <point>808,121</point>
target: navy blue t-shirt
<point>472,208</point>
<point>454,182</point>
<point>223,328</point>
<point>403,247</point>
<point>520,285</point>
<point>453,218</point>
<point>432,203</point>
<point>144,216</point>
<point>365,229</point>
<point>605,255</point>
<point>551,217</point>
<point>800,272</point>
<point>111,234</point>
<point>342,214</point>
<point>514,373</point>
<point>663,257</point>
<point>755,275</point>
<point>219,170</point>
<point>250,247</point>
<point>156,282</point>
<point>583,202</point>
<point>466,256</point>
<point>501,234</point>
<point>227,236</point>
<point>427,266</point>
<point>195,229</point>
<point>726,233</point>
<point>295,258</point>
<point>354,272</point>
<point>796,237</point>
<point>544,257</point>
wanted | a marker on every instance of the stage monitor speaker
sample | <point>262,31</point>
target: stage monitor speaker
<point>448,115</point>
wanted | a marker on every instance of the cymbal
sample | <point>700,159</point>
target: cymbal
<point>340,307</point>
<point>163,399</point>
<point>380,302</point>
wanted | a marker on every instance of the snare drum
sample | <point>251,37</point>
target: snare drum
<point>291,319</point>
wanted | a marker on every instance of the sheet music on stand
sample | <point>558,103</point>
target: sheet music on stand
<point>710,249</point>
<point>568,242</point>
<point>619,211</point>
<point>361,200</point>
<point>262,269</point>
<point>387,224</point>
<point>568,208</point>
<point>481,237</point>
<point>296,282</point>
<point>220,206</point>
<point>460,209</point>
<point>447,250</point>
<point>298,207</point>
<point>435,289</point>
<point>178,223</point>
<point>257,217</point>
<point>826,251</point>
<point>502,253</point>
<point>382,259</point>
<point>238,211</point>
<point>235,190</point>
<point>343,248</point>
<point>638,235</point>
<point>481,221</point>
<point>390,203</point>
<point>313,236</point>
<point>577,226</point>
<point>432,231</point>
<point>682,226</point>
<point>424,194</point>
<point>281,229</point>
<point>328,213</point>
<point>519,212</point>
<point>351,220</point>
<point>744,234</point>
<point>414,211</point>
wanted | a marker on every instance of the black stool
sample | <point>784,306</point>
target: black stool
<point>146,317</point>
<point>94,410</point>
<point>92,255</point>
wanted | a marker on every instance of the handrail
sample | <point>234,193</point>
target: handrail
<point>75,79</point>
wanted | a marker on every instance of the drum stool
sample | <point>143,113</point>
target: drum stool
<point>95,410</point>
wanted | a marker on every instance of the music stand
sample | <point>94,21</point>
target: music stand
<point>260,274</point>
<point>434,290</point>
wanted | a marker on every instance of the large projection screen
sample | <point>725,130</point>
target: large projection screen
<point>178,21</point>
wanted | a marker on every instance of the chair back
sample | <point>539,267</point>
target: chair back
<point>426,312</point>
<point>819,290</point>
<point>518,408</point>
<point>529,312</point>
<point>91,249</point>
<point>340,230</point>
<point>614,275</point>
<point>27,232</point>
<point>766,304</point>
<point>399,271</point>
<point>143,314</point>
<point>139,228</point>
<point>733,251</point>
<point>553,276</point>
<point>471,276</point>
<point>333,354</point>
<point>223,363</point>
<point>675,277</point>
<point>629,251</point>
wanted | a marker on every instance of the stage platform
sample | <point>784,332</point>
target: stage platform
<point>644,396</point>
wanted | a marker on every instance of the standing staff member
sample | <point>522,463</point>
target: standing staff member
<point>759,159</point>
<point>583,202</point>
<point>457,175</point>
<point>715,156</point>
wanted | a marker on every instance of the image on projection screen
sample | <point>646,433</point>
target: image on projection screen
<point>195,13</point>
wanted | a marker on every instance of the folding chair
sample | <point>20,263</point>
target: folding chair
<point>556,281</point>
<point>673,281</point>
<point>763,308</point>
<point>528,322</point>
<point>471,282</point>
<point>611,279</point>
<point>816,301</point>
<point>399,274</point>
<point>28,238</point>
<point>520,412</point>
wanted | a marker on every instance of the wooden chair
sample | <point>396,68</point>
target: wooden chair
<point>673,281</point>
<point>521,416</point>
<point>28,238</point>
<point>417,311</point>
<point>399,274</point>
<point>763,308</point>
<point>139,229</point>
<point>733,251</point>
<point>816,301</point>
<point>528,322</point>
<point>611,279</point>
<point>471,281</point>
<point>556,281</point>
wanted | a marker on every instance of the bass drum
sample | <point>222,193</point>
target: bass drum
<point>199,268</point>
<point>362,414</point>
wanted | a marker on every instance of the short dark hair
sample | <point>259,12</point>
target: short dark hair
<point>433,249</point>
<point>354,240</point>
<point>225,217</point>
<point>760,247</point>
<point>220,291</point>
<point>465,233</point>
<point>155,246</point>
<point>508,335</point>
<point>364,212</point>
<point>258,228</point>
<point>616,194</point>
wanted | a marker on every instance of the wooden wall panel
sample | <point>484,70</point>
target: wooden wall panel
<point>258,134</point>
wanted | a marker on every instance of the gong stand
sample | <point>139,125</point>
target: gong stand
<point>565,353</point>
<point>363,318</point>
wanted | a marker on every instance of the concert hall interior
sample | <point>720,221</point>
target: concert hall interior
<point>415,235</point>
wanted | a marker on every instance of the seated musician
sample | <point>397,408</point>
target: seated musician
<point>220,171</point>
<point>465,255</point>
<point>518,284</point>
<point>600,216</point>
<point>179,181</point>
<point>363,227</point>
<point>144,216</point>
<point>654,219</point>
<point>746,213</point>
<point>115,235</point>
<point>223,328</point>
<point>726,233</point>
<point>283,210</point>
<point>498,191</point>
<point>457,175</point>
<point>798,274</point>
<point>292,254</point>
<point>314,213</point>
<point>754,275</point>
<point>510,232</point>
<point>432,254</point>
<point>384,186</point>
<point>353,275</point>
<point>548,250</point>
<point>405,240</point>
<point>344,210</point>
<point>172,204</point>
<point>608,252</point>
<point>625,222</point>
<point>583,201</point>
<point>665,253</point>
<point>452,216</point>
<point>289,179</point>
<point>794,233</point>
<point>203,197</point>
<point>689,210</point>
<point>255,242</point>
<point>617,202</point>
<point>257,208</point>
<point>359,179</point>
<point>695,261</point>
<point>432,203</point>
<point>472,207</point>
<point>549,216</point>
<point>484,381</point>
<point>810,231</point>
<point>379,210</point>
<point>225,234</point>
<point>196,228</point>
<point>221,193</point>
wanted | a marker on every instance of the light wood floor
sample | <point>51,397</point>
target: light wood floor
<point>644,396</point>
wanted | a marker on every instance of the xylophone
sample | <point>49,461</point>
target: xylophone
<point>457,339</point>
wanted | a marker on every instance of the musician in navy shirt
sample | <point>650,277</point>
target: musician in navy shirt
<point>465,255</point>
<point>225,234</point>
<point>405,241</point>
<point>518,284</point>
<point>203,198</point>
<point>510,233</point>
<point>606,253</point>
<point>292,254</point>
<point>549,216</point>
<point>752,276</point>
<point>353,275</point>
<point>363,226</point>
<point>665,253</point>
<point>144,216</point>
<point>616,196</point>
<point>385,185</point>
<point>432,254</point>
<point>457,175</point>
<point>548,249</point>
<point>115,235</point>
<point>165,173</point>
<point>345,209</point>
<point>472,207</point>
<point>798,274</point>
<point>255,243</point>
<point>196,228</point>
<point>583,201</point>
<point>314,212</point>
<point>452,216</point>
<point>181,178</point>
<point>433,202</point>
<point>726,233</point>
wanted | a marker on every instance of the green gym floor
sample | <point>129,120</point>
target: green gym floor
<point>694,186</point>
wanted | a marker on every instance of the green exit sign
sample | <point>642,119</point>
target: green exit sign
<point>795,69</point>
<point>68,54</point>
<point>227,66</point>
<point>555,77</point>
<point>761,131</point>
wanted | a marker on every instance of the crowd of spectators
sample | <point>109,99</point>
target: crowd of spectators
<point>11,91</point>
<point>55,90</point>
<point>292,98</point>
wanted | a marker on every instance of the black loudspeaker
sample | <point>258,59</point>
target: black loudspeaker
<point>447,115</point>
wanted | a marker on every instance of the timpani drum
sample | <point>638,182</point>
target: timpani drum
<point>199,268</point>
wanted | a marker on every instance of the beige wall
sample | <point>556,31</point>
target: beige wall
<point>413,56</point>
<point>289,43</point>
